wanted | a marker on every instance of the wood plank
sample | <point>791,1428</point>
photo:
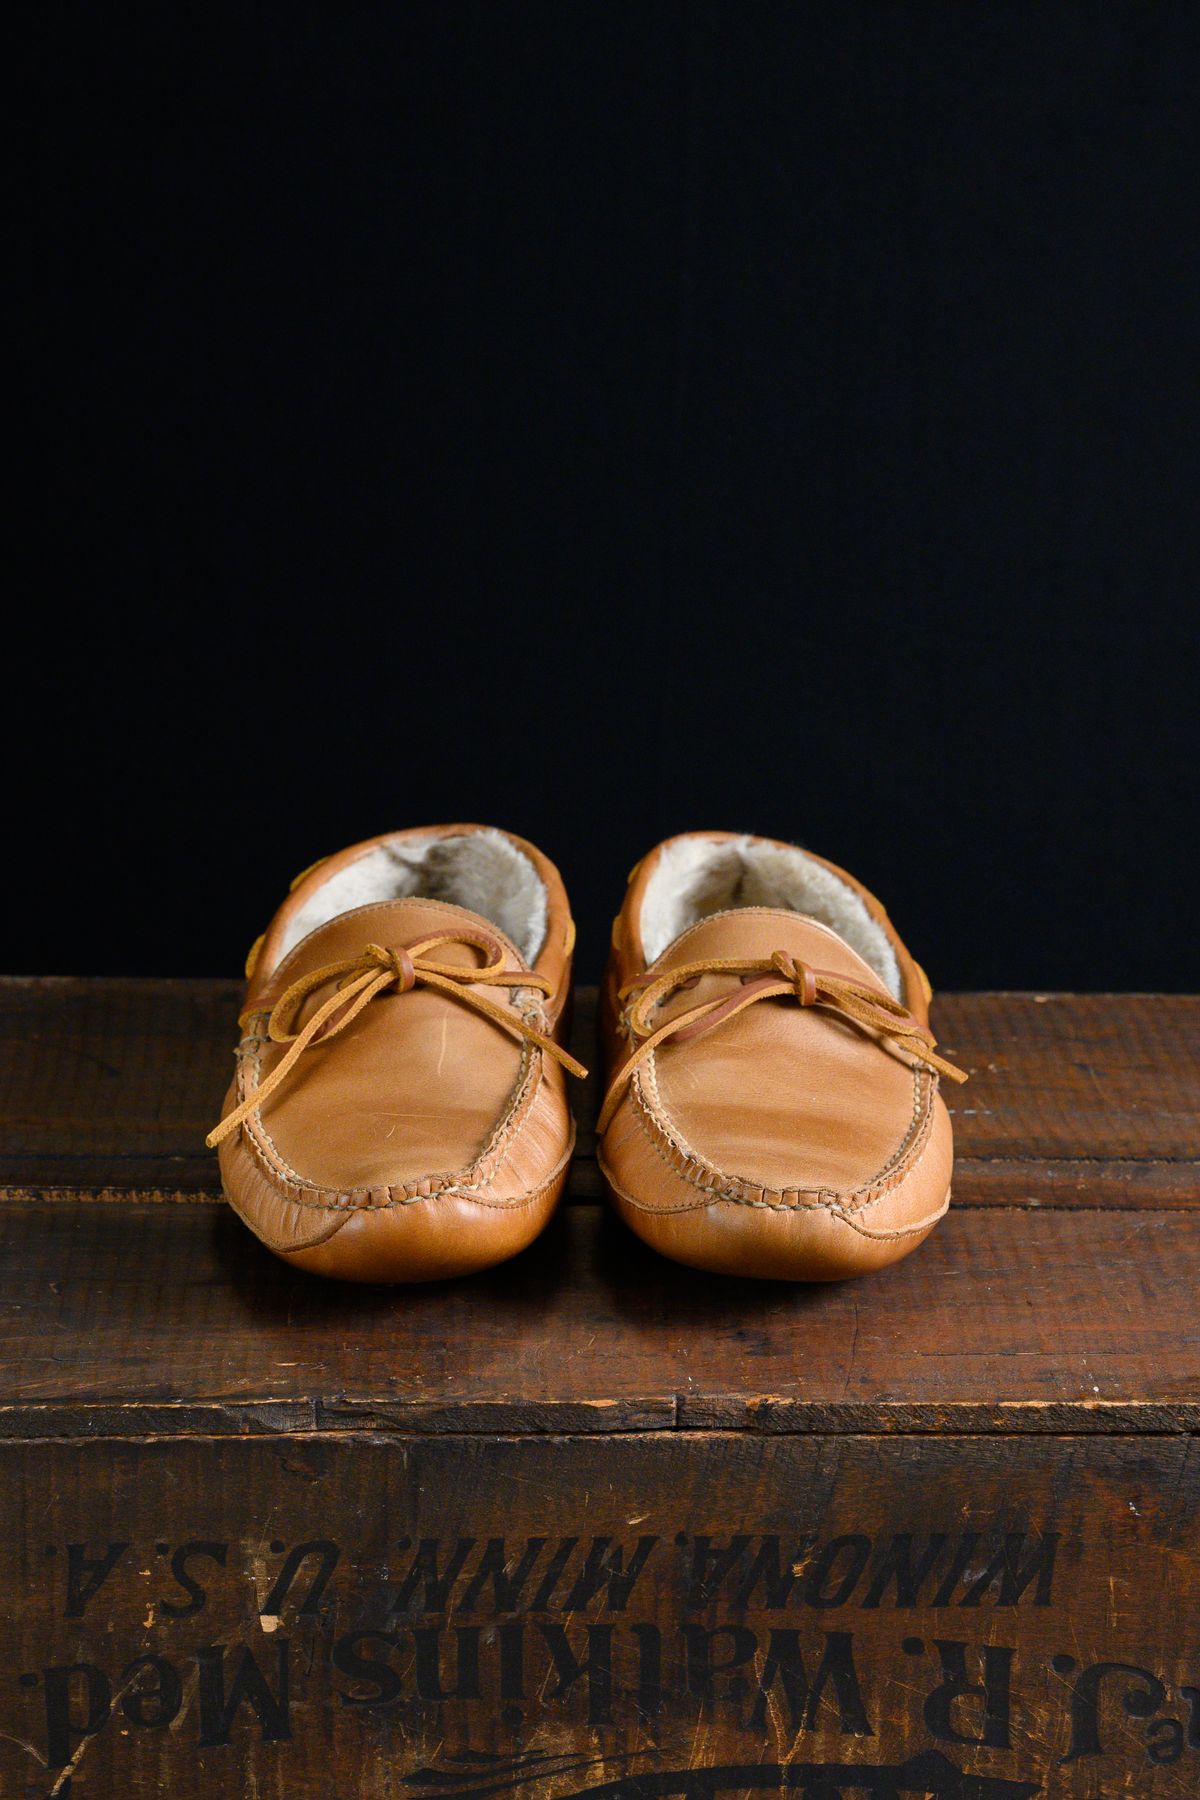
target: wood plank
<point>850,1619</point>
<point>140,1318</point>
<point>1112,1076</point>
<point>1075,1099</point>
<point>107,1088</point>
<point>1028,1378</point>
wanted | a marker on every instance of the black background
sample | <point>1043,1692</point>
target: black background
<point>606,420</point>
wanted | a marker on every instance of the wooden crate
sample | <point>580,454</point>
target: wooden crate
<point>593,1524</point>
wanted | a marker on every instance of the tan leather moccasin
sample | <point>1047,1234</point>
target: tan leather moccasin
<point>773,1107</point>
<point>399,1109</point>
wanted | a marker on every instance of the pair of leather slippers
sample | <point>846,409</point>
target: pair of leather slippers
<point>400,1111</point>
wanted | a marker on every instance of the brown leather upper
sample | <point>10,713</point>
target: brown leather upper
<point>785,1138</point>
<point>417,1139</point>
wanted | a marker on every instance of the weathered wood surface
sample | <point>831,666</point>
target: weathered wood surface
<point>592,1524</point>
<point>1035,1306</point>
<point>355,1619</point>
<point>107,1088</point>
<point>148,1318</point>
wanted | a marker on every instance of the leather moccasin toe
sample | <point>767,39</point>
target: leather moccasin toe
<point>399,1110</point>
<point>773,1107</point>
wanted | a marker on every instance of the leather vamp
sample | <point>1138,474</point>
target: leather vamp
<point>416,1086</point>
<point>780,1096</point>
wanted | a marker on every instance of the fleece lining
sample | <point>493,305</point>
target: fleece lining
<point>695,877</point>
<point>482,871</point>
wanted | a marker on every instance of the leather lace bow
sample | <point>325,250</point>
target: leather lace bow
<point>360,979</point>
<point>778,976</point>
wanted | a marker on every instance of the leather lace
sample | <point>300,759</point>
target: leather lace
<point>361,979</point>
<point>778,976</point>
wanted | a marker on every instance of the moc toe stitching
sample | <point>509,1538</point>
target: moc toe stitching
<point>718,1185</point>
<point>468,1183</point>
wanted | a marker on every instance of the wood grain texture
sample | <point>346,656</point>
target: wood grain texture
<point>932,1535</point>
<point>1075,1099</point>
<point>142,1318</point>
<point>107,1088</point>
<point>705,1616</point>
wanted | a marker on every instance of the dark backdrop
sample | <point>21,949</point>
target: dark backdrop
<point>603,420</point>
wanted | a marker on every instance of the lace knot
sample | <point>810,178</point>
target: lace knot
<point>779,976</point>
<point>396,959</point>
<point>380,968</point>
<point>803,979</point>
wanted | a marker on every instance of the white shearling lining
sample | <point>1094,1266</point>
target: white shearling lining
<point>695,877</point>
<point>482,870</point>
